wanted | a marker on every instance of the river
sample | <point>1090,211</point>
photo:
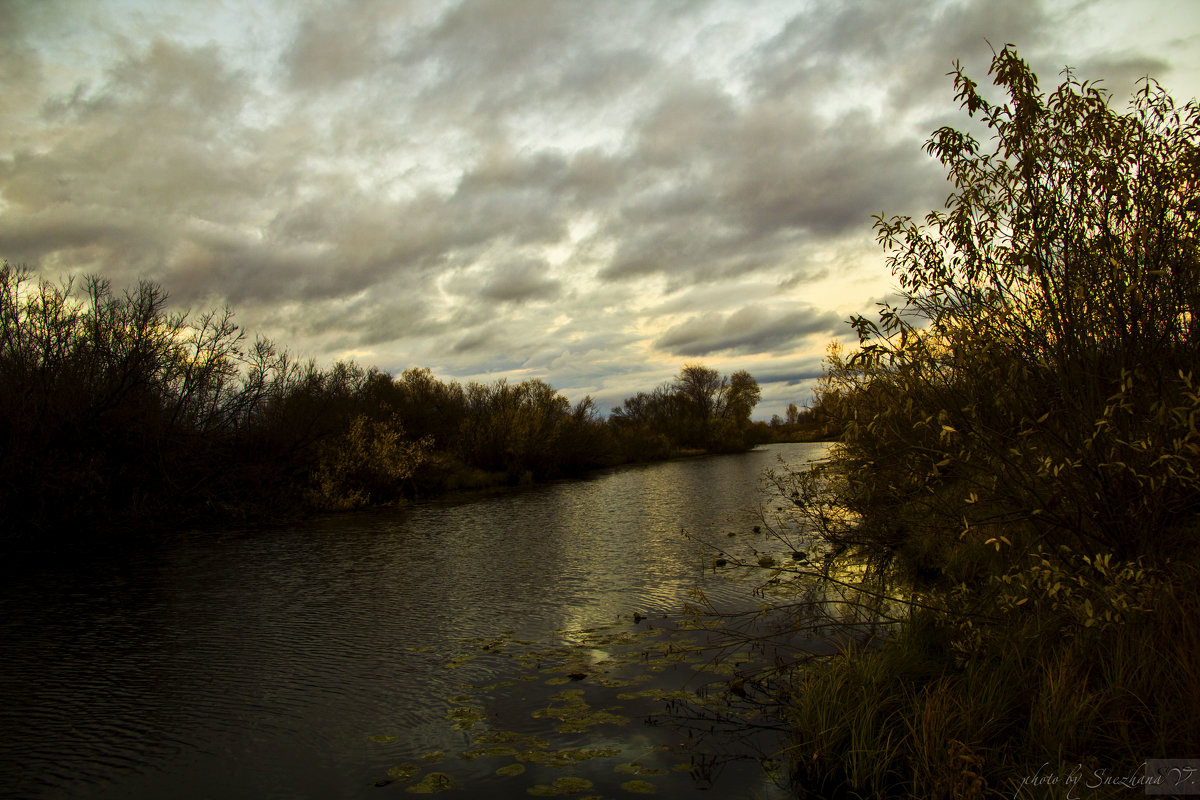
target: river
<point>487,640</point>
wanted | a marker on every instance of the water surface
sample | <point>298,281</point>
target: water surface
<point>309,660</point>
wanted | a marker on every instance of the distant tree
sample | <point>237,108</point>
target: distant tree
<point>741,397</point>
<point>702,391</point>
<point>430,407</point>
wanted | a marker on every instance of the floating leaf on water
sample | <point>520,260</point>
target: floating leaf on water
<point>384,738</point>
<point>405,772</point>
<point>482,752</point>
<point>635,768</point>
<point>557,681</point>
<point>572,785</point>
<point>560,786</point>
<point>511,770</point>
<point>458,661</point>
<point>504,737</point>
<point>682,768</point>
<point>432,783</point>
<point>460,698</point>
<point>587,720</point>
<point>639,787</point>
<point>543,758</point>
<point>465,717</point>
<point>663,694</point>
<point>433,756</point>
<point>588,753</point>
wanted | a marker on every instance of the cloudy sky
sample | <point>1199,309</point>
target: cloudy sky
<point>591,192</point>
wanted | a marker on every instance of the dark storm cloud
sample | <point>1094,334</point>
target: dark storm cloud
<point>515,283</point>
<point>749,330</point>
<point>715,185</point>
<point>900,50</point>
<point>792,374</point>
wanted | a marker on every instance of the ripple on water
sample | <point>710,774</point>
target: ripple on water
<point>260,664</point>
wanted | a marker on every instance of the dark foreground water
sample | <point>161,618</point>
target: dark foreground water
<point>493,642</point>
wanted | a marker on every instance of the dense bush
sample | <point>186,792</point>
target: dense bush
<point>1017,475</point>
<point>116,411</point>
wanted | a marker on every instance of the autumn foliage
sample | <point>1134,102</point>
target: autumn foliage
<point>1018,477</point>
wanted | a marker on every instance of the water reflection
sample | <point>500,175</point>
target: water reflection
<point>260,664</point>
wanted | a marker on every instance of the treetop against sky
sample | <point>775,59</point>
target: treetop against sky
<point>588,193</point>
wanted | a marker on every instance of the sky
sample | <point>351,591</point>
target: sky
<point>589,192</point>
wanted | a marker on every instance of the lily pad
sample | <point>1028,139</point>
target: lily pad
<point>509,737</point>
<point>483,752</point>
<point>433,783</point>
<point>634,768</point>
<point>572,784</point>
<point>588,753</point>
<point>560,786</point>
<point>465,717</point>
<point>405,772</point>
<point>384,738</point>
<point>511,770</point>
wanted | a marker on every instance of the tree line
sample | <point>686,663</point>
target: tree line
<point>115,409</point>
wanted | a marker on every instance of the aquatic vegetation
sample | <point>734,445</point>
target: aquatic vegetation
<point>433,783</point>
<point>465,717</point>
<point>634,768</point>
<point>560,786</point>
<point>609,662</point>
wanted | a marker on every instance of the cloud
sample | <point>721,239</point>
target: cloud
<point>516,283</point>
<point>749,330</point>
<point>587,192</point>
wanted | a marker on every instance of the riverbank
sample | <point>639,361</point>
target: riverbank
<point>139,417</point>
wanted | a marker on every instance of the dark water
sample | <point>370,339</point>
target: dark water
<point>307,661</point>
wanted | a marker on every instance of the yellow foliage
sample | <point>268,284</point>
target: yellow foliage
<point>369,457</point>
